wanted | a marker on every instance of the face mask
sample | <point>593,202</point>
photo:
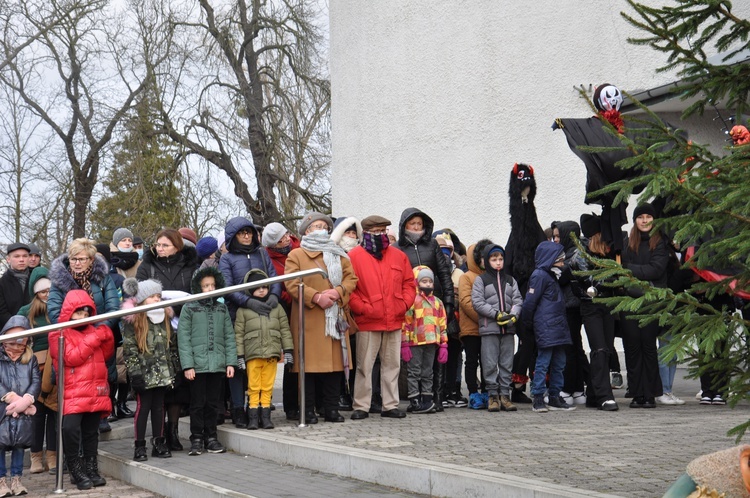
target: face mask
<point>156,316</point>
<point>348,243</point>
<point>127,249</point>
<point>282,250</point>
<point>140,253</point>
<point>426,290</point>
<point>414,236</point>
<point>319,233</point>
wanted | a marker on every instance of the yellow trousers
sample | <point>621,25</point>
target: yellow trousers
<point>261,374</point>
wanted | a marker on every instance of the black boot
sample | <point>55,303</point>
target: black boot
<point>124,412</point>
<point>160,448</point>
<point>78,473</point>
<point>333,416</point>
<point>139,455</point>
<point>92,471</point>
<point>240,418</point>
<point>345,403</point>
<point>173,437</point>
<point>265,418</point>
<point>252,419</point>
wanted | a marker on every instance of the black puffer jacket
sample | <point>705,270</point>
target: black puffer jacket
<point>21,379</point>
<point>648,265</point>
<point>427,252</point>
<point>174,272</point>
<point>566,228</point>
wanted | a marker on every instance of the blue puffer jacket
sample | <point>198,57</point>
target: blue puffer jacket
<point>21,379</point>
<point>544,305</point>
<point>235,264</point>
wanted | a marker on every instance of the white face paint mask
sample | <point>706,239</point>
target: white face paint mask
<point>156,316</point>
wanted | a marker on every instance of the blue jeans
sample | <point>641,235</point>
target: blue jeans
<point>550,360</point>
<point>16,462</point>
<point>668,370</point>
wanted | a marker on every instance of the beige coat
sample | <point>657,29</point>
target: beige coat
<point>322,353</point>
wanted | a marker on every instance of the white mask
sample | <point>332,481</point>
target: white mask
<point>140,253</point>
<point>156,316</point>
<point>319,233</point>
<point>124,249</point>
<point>348,243</point>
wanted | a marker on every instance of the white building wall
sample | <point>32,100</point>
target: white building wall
<point>433,102</point>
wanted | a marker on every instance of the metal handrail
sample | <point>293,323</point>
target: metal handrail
<point>148,307</point>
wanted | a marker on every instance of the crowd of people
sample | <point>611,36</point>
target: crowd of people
<point>403,312</point>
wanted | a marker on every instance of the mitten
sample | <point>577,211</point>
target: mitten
<point>288,358</point>
<point>272,301</point>
<point>405,352</point>
<point>443,354</point>
<point>241,362</point>
<point>138,383</point>
<point>20,405</point>
<point>259,307</point>
<point>31,410</point>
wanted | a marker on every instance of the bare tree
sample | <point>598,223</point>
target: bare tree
<point>250,97</point>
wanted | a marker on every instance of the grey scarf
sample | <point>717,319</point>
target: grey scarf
<point>332,254</point>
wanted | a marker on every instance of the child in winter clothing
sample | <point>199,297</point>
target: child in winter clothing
<point>148,347</point>
<point>19,386</point>
<point>261,337</point>
<point>423,331</point>
<point>497,301</point>
<point>207,354</point>
<point>86,401</point>
<point>544,308</point>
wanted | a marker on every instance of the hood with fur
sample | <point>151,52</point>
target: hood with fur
<point>195,283</point>
<point>340,226</point>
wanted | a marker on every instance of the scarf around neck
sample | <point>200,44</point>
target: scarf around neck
<point>332,254</point>
<point>83,279</point>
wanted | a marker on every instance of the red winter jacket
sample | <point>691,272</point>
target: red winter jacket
<point>385,289</point>
<point>86,386</point>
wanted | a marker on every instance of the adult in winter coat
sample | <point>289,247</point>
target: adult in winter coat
<point>576,363</point>
<point>86,398</point>
<point>123,258</point>
<point>324,344</point>
<point>415,239</point>
<point>468,318</point>
<point>647,256</point>
<point>82,268</point>
<point>385,291</point>
<point>19,387</point>
<point>245,254</point>
<point>14,282</point>
<point>279,242</point>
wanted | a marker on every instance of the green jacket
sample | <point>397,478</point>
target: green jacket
<point>261,336</point>
<point>206,338</point>
<point>157,366</point>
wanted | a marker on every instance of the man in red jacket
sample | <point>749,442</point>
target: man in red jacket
<point>385,291</point>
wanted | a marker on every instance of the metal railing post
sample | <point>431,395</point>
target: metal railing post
<point>301,354</point>
<point>60,402</point>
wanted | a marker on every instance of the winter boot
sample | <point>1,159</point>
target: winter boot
<point>413,404</point>
<point>4,488</point>
<point>240,418</point>
<point>252,419</point>
<point>426,406</point>
<point>160,448</point>
<point>92,471</point>
<point>196,445</point>
<point>16,487</point>
<point>494,404</point>
<point>37,467</point>
<point>78,473</point>
<point>173,437</point>
<point>139,454</point>
<point>50,461</point>
<point>345,403</point>
<point>265,418</point>
<point>214,446</point>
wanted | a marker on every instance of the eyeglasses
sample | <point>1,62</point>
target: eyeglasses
<point>319,226</point>
<point>163,246</point>
<point>245,232</point>
<point>79,261</point>
<point>377,231</point>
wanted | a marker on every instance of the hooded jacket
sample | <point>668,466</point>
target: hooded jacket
<point>205,334</point>
<point>492,293</point>
<point>21,379</point>
<point>385,289</point>
<point>106,297</point>
<point>40,341</point>
<point>468,317</point>
<point>566,228</point>
<point>235,265</point>
<point>427,252</point>
<point>86,352</point>
<point>259,336</point>
<point>544,305</point>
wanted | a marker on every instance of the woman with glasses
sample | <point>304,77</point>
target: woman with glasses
<point>172,263</point>
<point>245,253</point>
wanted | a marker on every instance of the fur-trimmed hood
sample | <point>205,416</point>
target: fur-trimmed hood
<point>195,282</point>
<point>342,224</point>
<point>60,276</point>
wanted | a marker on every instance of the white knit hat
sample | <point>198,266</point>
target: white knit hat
<point>141,290</point>
<point>273,233</point>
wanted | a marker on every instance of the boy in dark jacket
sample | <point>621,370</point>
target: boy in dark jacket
<point>544,309</point>
<point>497,301</point>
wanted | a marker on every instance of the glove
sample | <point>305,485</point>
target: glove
<point>288,358</point>
<point>504,319</point>
<point>241,363</point>
<point>31,410</point>
<point>259,307</point>
<point>405,352</point>
<point>443,354</point>
<point>138,383</point>
<point>20,405</point>
<point>272,301</point>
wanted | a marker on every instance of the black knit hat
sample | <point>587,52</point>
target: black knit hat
<point>644,208</point>
<point>591,224</point>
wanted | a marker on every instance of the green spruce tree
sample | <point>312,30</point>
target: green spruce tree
<point>142,189</point>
